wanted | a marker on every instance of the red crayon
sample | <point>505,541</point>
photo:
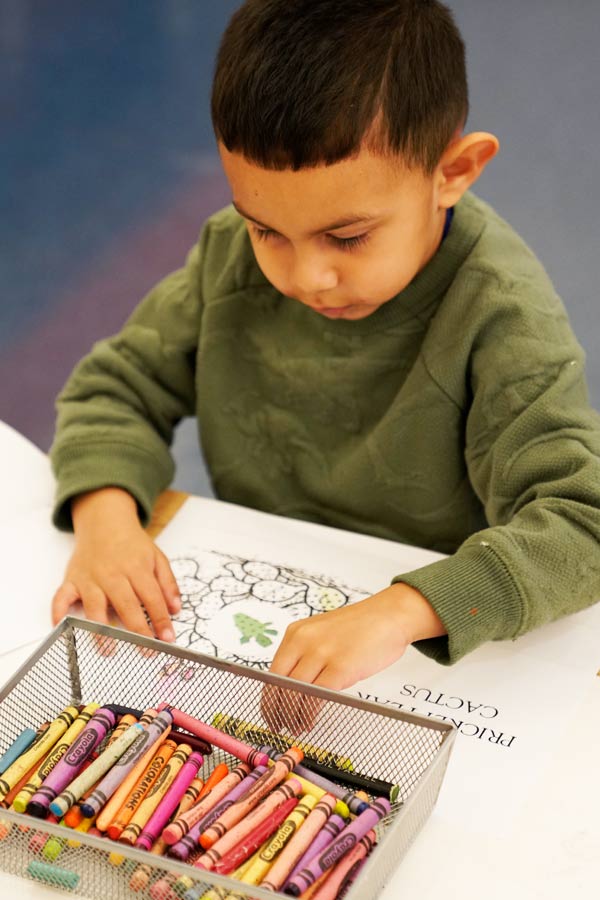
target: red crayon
<point>254,840</point>
<point>208,733</point>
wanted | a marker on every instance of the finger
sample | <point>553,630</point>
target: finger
<point>125,601</point>
<point>286,656</point>
<point>65,597</point>
<point>151,596</point>
<point>95,606</point>
<point>167,582</point>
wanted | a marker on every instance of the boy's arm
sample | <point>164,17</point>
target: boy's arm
<point>117,412</point>
<point>111,456</point>
<point>533,456</point>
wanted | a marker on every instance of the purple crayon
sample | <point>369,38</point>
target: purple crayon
<point>340,845</point>
<point>182,849</point>
<point>169,802</point>
<point>71,763</point>
<point>324,837</point>
<point>113,778</point>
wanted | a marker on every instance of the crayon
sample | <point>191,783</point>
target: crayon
<point>182,824</point>
<point>217,775</point>
<point>53,875</point>
<point>374,786</point>
<point>14,792</point>
<point>53,848</point>
<point>196,743</point>
<point>170,801</point>
<point>271,778</point>
<point>107,760</point>
<point>146,737</point>
<point>124,723</point>
<point>322,839</point>
<point>348,801</point>
<point>208,733</point>
<point>149,804</point>
<point>239,830</point>
<point>331,888</point>
<point>112,808</point>
<point>140,789</point>
<point>273,848</point>
<point>299,843</point>
<point>247,730</point>
<point>38,750</point>
<point>22,743</point>
<point>64,761</point>
<point>253,841</point>
<point>82,827</point>
<point>342,844</point>
<point>189,842</point>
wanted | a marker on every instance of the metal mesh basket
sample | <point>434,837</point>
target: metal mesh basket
<point>68,668</point>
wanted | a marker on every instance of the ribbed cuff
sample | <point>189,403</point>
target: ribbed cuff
<point>88,467</point>
<point>474,595</point>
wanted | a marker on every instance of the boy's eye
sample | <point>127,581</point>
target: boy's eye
<point>349,243</point>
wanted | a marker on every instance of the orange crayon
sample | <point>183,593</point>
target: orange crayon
<point>217,775</point>
<point>274,776</point>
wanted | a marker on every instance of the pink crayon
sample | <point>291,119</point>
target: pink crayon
<point>182,849</point>
<point>182,824</point>
<point>346,869</point>
<point>294,851</point>
<point>245,848</point>
<point>211,734</point>
<point>324,837</point>
<point>234,835</point>
<point>342,844</point>
<point>170,801</point>
<point>113,778</point>
<point>72,762</point>
<point>272,777</point>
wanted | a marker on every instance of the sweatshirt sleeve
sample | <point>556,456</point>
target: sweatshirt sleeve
<point>533,458</point>
<point>117,412</point>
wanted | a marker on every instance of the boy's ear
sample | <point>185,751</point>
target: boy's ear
<point>462,163</point>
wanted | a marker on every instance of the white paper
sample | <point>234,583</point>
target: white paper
<point>511,701</point>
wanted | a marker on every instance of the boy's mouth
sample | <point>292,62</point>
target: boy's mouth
<point>334,312</point>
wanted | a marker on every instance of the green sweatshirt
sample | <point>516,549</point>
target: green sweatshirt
<point>455,417</point>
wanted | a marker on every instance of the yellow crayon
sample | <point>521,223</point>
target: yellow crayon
<point>58,751</point>
<point>38,750</point>
<point>160,787</point>
<point>313,790</point>
<point>271,850</point>
<point>83,827</point>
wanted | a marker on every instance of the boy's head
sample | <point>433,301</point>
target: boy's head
<point>339,124</point>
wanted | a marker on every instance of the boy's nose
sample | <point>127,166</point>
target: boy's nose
<point>311,277</point>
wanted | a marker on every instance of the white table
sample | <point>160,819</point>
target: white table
<point>549,844</point>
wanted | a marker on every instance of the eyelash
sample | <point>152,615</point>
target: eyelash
<point>346,244</point>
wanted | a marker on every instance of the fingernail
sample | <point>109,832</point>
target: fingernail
<point>167,634</point>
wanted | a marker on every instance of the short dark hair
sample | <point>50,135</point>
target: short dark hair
<point>300,83</point>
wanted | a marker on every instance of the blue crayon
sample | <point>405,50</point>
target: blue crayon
<point>53,875</point>
<point>20,745</point>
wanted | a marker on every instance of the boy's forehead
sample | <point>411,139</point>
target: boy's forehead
<point>358,188</point>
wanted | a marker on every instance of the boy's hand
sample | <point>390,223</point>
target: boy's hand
<point>338,648</point>
<point>116,564</point>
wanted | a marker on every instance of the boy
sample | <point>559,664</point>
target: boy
<point>365,344</point>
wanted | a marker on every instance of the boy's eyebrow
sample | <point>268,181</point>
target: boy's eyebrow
<point>340,223</point>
